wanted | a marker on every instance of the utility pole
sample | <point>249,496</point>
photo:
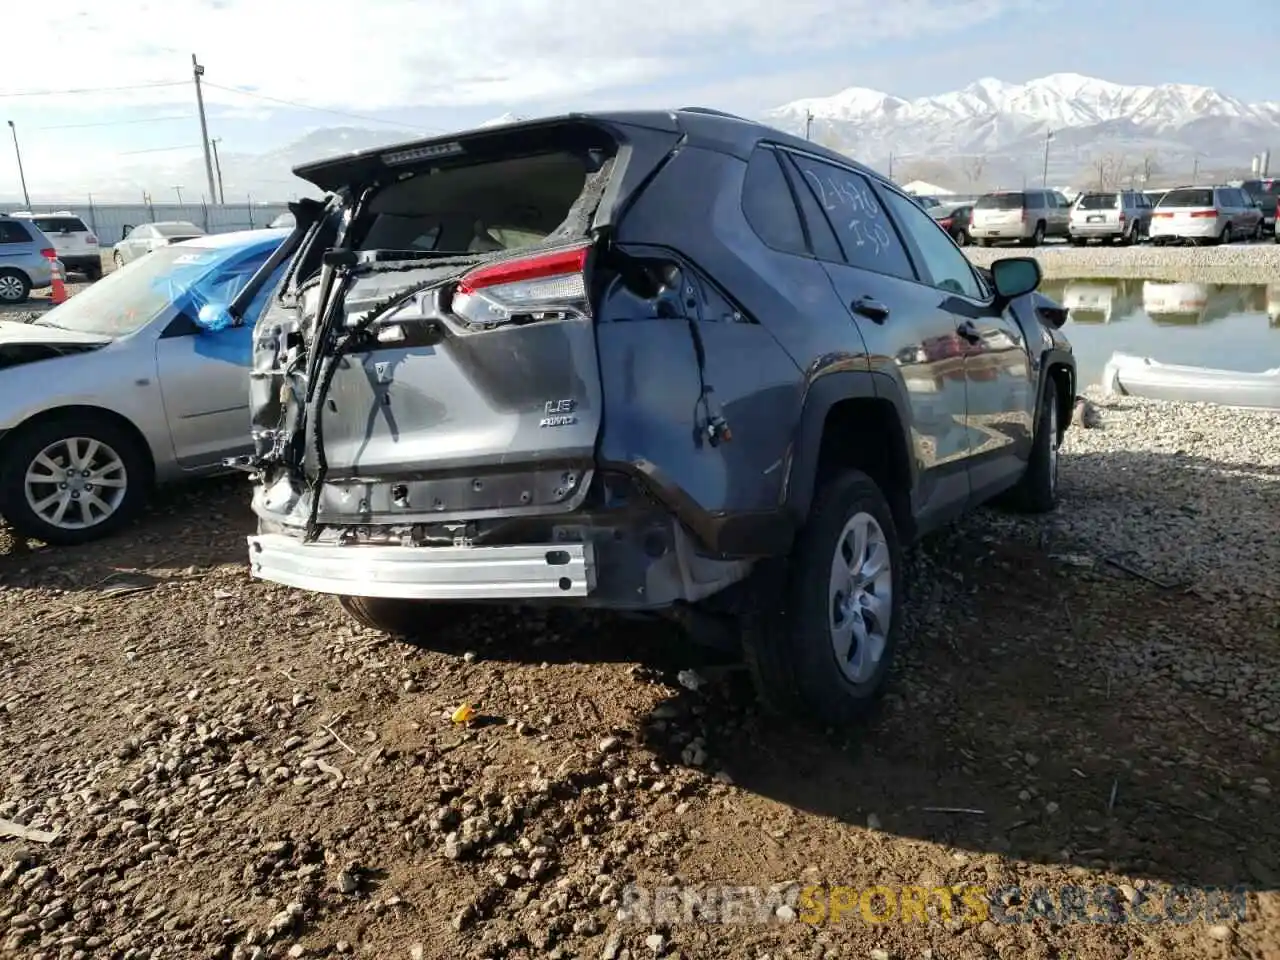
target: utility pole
<point>221,196</point>
<point>178,190</point>
<point>197,72</point>
<point>26,198</point>
<point>890,164</point>
<point>808,124</point>
<point>1044,177</point>
<point>1195,167</point>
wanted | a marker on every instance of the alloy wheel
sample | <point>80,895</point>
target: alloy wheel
<point>76,483</point>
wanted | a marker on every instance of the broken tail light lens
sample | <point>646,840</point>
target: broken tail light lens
<point>543,286</point>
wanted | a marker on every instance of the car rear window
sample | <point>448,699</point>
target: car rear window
<point>499,205</point>
<point>1099,201</point>
<point>1262,188</point>
<point>1188,198</point>
<point>52,225</point>
<point>1001,201</point>
<point>13,232</point>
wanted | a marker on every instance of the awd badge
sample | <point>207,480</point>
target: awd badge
<point>558,413</point>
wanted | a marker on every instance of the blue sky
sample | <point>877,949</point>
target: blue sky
<point>433,65</point>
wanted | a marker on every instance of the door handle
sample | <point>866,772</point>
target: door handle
<point>969,332</point>
<point>871,309</point>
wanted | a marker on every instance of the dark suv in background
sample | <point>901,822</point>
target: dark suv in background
<point>1266,192</point>
<point>676,363</point>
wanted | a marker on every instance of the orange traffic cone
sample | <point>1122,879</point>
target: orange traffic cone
<point>58,286</point>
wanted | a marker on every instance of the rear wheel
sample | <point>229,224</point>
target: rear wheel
<point>1037,237</point>
<point>1225,235</point>
<point>67,481</point>
<point>15,287</point>
<point>117,259</point>
<point>961,238</point>
<point>828,653</point>
<point>93,272</point>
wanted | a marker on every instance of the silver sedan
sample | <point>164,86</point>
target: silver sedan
<point>140,378</point>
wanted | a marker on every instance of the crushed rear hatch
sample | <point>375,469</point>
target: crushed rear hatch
<point>430,355</point>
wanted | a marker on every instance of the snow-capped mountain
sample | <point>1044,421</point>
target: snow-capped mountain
<point>1169,124</point>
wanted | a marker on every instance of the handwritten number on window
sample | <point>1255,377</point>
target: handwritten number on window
<point>853,205</point>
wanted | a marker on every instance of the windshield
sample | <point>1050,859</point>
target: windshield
<point>1001,201</point>
<point>1263,189</point>
<point>1188,198</point>
<point>1099,201</point>
<point>177,229</point>
<point>126,300</point>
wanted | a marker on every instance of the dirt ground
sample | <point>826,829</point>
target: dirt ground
<point>234,769</point>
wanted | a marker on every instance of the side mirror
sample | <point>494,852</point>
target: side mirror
<point>1014,277</point>
<point>213,317</point>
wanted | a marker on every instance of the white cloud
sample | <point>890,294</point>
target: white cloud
<point>381,54</point>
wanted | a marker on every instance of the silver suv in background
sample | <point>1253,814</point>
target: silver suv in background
<point>1123,215</point>
<point>26,259</point>
<point>1213,214</point>
<point>76,244</point>
<point>1028,216</point>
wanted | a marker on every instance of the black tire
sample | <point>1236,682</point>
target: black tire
<point>93,272</point>
<point>1225,235</point>
<point>1131,234</point>
<point>28,442</point>
<point>961,238</point>
<point>414,621</point>
<point>1037,237</point>
<point>791,651</point>
<point>1037,491</point>
<point>15,286</point>
<point>117,259</point>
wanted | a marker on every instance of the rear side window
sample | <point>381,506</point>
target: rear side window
<point>1098,201</point>
<point>52,225</point>
<point>1188,198</point>
<point>13,232</point>
<point>768,205</point>
<point>1001,201</point>
<point>866,235</point>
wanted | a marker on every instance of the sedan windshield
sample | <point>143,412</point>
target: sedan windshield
<point>126,300</point>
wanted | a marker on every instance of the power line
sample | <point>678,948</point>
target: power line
<point>185,146</point>
<point>85,90</point>
<point>112,123</point>
<point>307,106</point>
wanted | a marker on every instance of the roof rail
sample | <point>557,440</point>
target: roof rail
<point>712,112</point>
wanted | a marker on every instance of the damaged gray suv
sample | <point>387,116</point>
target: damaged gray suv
<point>675,363</point>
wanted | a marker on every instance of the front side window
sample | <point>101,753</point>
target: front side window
<point>947,267</point>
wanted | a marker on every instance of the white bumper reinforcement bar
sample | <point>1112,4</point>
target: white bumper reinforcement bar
<point>426,573</point>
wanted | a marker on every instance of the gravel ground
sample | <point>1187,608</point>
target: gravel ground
<point>235,770</point>
<point>1234,263</point>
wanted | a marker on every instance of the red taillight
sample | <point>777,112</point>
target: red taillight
<point>1122,216</point>
<point>538,267</point>
<point>1204,213</point>
<point>540,286</point>
<point>91,240</point>
<point>49,252</point>
<point>945,222</point>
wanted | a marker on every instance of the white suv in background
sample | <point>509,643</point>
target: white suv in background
<point>76,244</point>
<point>1205,215</point>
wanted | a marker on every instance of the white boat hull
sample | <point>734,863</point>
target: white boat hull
<point>1128,375</point>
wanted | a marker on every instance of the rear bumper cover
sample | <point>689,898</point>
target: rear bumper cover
<point>517,572</point>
